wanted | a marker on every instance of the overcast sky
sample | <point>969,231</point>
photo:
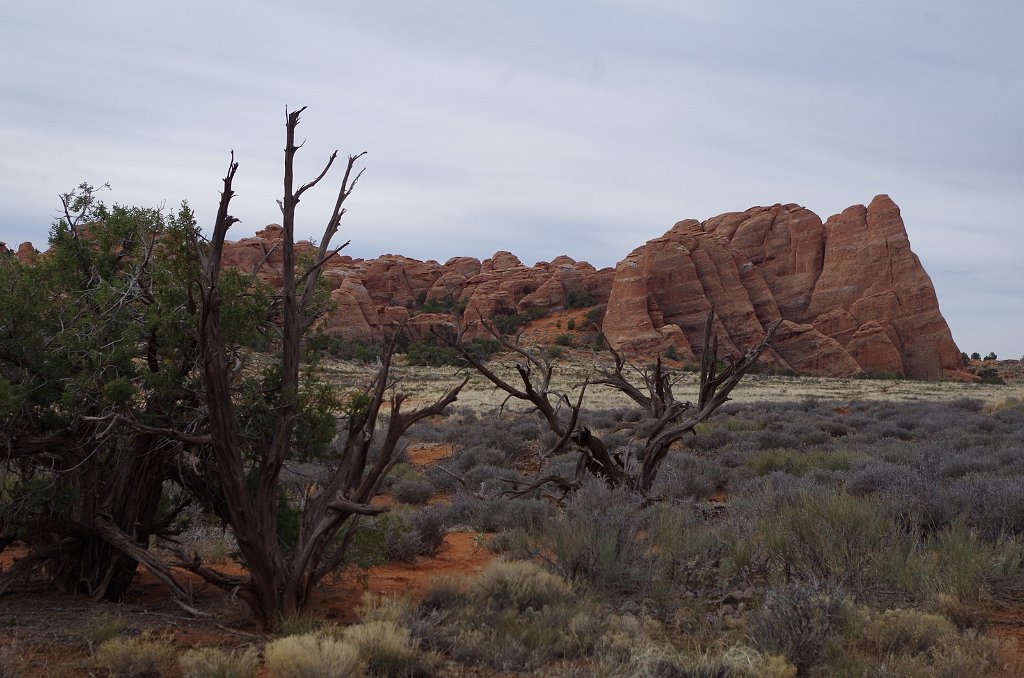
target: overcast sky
<point>543,128</point>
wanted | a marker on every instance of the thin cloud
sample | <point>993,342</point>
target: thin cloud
<point>580,128</point>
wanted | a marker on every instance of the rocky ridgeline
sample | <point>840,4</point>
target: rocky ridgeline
<point>850,293</point>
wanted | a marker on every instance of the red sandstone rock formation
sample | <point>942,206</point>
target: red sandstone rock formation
<point>849,292</point>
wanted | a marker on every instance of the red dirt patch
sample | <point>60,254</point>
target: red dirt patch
<point>461,554</point>
<point>44,628</point>
<point>425,454</point>
<point>547,329</point>
<point>1007,624</point>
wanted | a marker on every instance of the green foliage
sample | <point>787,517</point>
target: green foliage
<point>579,299</point>
<point>563,340</point>
<point>571,324</point>
<point>595,316</point>
<point>432,354</point>
<point>554,353</point>
<point>344,349</point>
<point>388,536</point>
<point>799,463</point>
<point>446,304</point>
<point>510,323</point>
<point>990,375</point>
<point>991,356</point>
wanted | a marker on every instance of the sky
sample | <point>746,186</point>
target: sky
<point>538,127</point>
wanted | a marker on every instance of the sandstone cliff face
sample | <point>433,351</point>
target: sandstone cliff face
<point>849,292</point>
<point>373,296</point>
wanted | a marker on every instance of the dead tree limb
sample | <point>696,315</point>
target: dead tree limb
<point>658,401</point>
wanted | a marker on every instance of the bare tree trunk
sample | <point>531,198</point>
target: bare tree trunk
<point>279,583</point>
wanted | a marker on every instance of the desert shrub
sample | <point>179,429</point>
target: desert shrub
<point>413,488</point>
<point>430,354</point>
<point>571,324</point>
<point>595,540</point>
<point>492,431</point>
<point>386,649</point>
<point>837,537</point>
<point>579,299</point>
<point>312,655</point>
<point>564,340</point>
<point>773,439</point>
<point>800,463</point>
<point>903,631</point>
<point>884,478</point>
<point>685,476</point>
<point>553,353</point>
<point>345,349</point>
<point>388,536</point>
<point>445,304</point>
<point>433,353</point>
<point>485,479</point>
<point>506,514</point>
<point>969,564</point>
<point>103,627</point>
<point>798,621</point>
<point>513,617</point>
<point>478,455</point>
<point>445,593</point>
<point>712,439</point>
<point>141,655</point>
<point>595,317</point>
<point>520,585</point>
<point>429,526</point>
<point>427,431</point>
<point>213,662</point>
<point>630,643</point>
<point>10,660</point>
<point>962,464</point>
<point>509,323</point>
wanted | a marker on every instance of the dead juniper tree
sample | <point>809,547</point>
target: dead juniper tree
<point>279,581</point>
<point>633,468</point>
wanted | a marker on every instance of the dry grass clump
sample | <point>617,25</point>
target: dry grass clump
<point>144,655</point>
<point>312,655</point>
<point>520,585</point>
<point>515,616</point>
<point>103,627</point>
<point>917,644</point>
<point>903,631</point>
<point>382,640</point>
<point>737,661</point>
<point>10,662</point>
<point>799,621</point>
<point>386,649</point>
<point>213,662</point>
